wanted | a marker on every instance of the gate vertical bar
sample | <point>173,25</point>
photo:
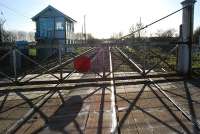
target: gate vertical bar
<point>184,52</point>
<point>14,63</point>
<point>60,61</point>
<point>103,62</point>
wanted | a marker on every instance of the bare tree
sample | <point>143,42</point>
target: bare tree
<point>8,36</point>
<point>1,29</point>
<point>167,33</point>
<point>31,36</point>
<point>11,36</point>
<point>132,30</point>
<point>136,30</point>
<point>141,32</point>
<point>117,35</point>
<point>5,36</point>
<point>159,33</point>
<point>21,35</point>
<point>79,36</point>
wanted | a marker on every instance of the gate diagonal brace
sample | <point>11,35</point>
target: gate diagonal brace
<point>174,103</point>
<point>132,104</point>
<point>147,113</point>
<point>7,77</point>
<point>170,111</point>
<point>162,59</point>
<point>5,55</point>
<point>62,64</point>
<point>3,101</point>
<point>35,63</point>
<point>44,117</point>
<point>17,125</point>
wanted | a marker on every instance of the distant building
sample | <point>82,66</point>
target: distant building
<point>52,26</point>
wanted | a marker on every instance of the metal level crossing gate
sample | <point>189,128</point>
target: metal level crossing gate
<point>122,66</point>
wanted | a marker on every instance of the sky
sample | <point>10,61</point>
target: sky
<point>103,17</point>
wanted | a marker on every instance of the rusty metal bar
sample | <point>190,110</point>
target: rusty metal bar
<point>59,66</point>
<point>169,98</point>
<point>101,112</point>
<point>132,104</point>
<point>149,114</point>
<point>6,54</point>
<point>14,64</point>
<point>170,111</point>
<point>28,58</point>
<point>185,114</point>
<point>31,112</point>
<point>68,75</point>
<point>193,118</point>
<point>20,104</point>
<point>131,61</point>
<point>163,59</point>
<point>107,43</point>
<point>3,101</point>
<point>30,103</point>
<point>60,61</point>
<point>7,77</point>
<point>76,85</point>
<point>37,82</point>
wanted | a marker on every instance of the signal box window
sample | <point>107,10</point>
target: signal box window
<point>59,26</point>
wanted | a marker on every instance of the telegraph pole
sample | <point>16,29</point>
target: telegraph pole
<point>140,22</point>
<point>85,29</point>
<point>82,36</point>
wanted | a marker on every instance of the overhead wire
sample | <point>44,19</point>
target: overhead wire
<point>13,10</point>
<point>150,24</point>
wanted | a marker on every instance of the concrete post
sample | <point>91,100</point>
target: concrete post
<point>184,49</point>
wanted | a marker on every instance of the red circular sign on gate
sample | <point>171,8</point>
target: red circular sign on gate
<point>82,64</point>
